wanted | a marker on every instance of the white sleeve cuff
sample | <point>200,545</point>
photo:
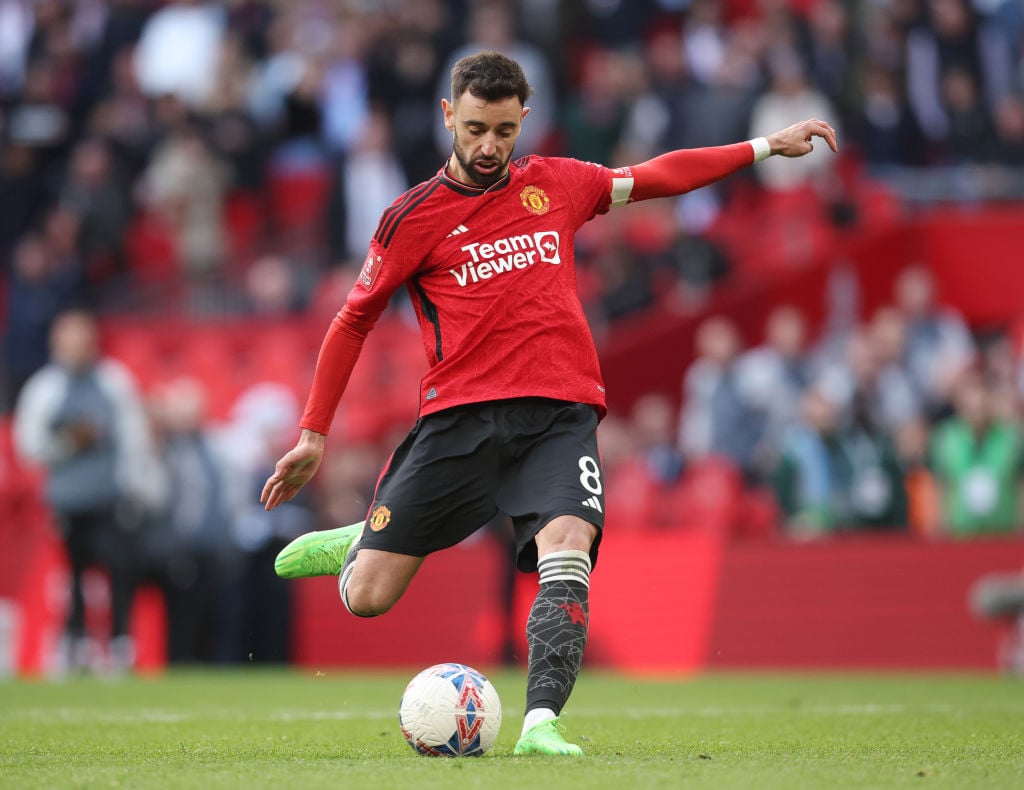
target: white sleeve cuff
<point>761,148</point>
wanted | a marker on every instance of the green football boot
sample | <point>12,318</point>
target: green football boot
<point>319,553</point>
<point>546,738</point>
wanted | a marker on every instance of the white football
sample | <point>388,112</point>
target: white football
<point>450,710</point>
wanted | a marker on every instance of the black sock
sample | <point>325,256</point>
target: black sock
<point>556,632</point>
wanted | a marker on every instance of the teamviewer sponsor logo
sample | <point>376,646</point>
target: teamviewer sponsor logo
<point>504,255</point>
<point>547,245</point>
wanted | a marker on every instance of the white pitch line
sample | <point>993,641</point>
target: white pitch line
<point>162,716</point>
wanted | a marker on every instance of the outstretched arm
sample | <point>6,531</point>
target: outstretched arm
<point>338,355</point>
<point>678,172</point>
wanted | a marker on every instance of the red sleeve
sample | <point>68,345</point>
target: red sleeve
<point>678,172</point>
<point>338,355</point>
<point>383,272</point>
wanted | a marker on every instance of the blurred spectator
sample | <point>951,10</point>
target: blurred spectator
<point>830,53</point>
<point>179,50</point>
<point>277,75</point>
<point>368,179</point>
<point>189,548</point>
<point>789,96</point>
<point>39,290</point>
<point>924,506</point>
<point>938,346</point>
<point>345,89</point>
<point>888,131</point>
<point>16,22</point>
<point>717,418</point>
<point>698,263</point>
<point>92,190</point>
<point>833,476</point>
<point>594,117</point>
<point>705,40</point>
<point>23,192</point>
<point>996,361</point>
<point>39,117</point>
<point>652,428</point>
<point>724,98</point>
<point>978,460</point>
<point>954,40</point>
<point>404,69</point>
<point>109,31</point>
<point>774,376</point>
<point>971,136</point>
<point>625,279</point>
<point>233,134</point>
<point>125,117</point>
<point>62,230</point>
<point>81,417</point>
<point>872,392</point>
<point>270,287</point>
<point>1009,120</point>
<point>186,183</point>
<point>262,423</point>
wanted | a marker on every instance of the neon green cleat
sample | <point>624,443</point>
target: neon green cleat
<point>546,738</point>
<point>319,553</point>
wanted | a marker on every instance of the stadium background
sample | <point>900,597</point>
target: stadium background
<point>205,176</point>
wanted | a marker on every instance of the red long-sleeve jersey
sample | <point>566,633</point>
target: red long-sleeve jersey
<point>492,278</point>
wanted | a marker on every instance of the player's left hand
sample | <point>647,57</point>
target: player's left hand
<point>294,470</point>
<point>796,140</point>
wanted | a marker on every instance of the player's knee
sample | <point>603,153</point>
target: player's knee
<point>566,533</point>
<point>367,600</point>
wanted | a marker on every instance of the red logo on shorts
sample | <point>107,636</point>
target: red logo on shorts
<point>576,614</point>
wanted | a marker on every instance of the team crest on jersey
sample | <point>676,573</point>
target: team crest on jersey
<point>535,200</point>
<point>380,518</point>
<point>371,266</point>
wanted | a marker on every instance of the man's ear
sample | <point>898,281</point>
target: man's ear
<point>526,111</point>
<point>449,115</point>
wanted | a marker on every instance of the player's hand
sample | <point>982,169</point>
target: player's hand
<point>294,470</point>
<point>796,140</point>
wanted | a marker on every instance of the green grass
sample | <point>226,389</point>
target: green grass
<point>251,728</point>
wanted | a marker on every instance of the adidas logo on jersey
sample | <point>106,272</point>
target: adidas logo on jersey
<point>457,231</point>
<point>594,503</point>
<point>504,255</point>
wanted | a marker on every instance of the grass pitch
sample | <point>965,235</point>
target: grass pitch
<point>252,728</point>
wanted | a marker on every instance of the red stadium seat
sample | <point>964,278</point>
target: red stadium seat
<point>152,250</point>
<point>708,496</point>
<point>298,199</point>
<point>244,222</point>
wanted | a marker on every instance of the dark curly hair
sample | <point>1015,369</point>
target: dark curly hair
<point>490,76</point>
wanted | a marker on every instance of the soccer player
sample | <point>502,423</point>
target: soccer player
<point>510,405</point>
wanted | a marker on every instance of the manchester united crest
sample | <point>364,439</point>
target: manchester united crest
<point>535,200</point>
<point>380,518</point>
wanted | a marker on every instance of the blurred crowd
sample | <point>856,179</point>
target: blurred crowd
<point>147,489</point>
<point>214,157</point>
<point>904,422</point>
<point>211,158</point>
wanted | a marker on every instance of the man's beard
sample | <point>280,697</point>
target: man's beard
<point>478,178</point>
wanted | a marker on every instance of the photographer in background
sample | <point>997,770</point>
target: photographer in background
<point>81,417</point>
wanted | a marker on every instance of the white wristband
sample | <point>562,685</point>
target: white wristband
<point>761,148</point>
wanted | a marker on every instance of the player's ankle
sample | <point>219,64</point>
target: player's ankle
<point>536,716</point>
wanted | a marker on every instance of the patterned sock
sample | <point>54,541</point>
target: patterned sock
<point>556,631</point>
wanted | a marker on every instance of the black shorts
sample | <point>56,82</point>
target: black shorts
<point>531,458</point>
